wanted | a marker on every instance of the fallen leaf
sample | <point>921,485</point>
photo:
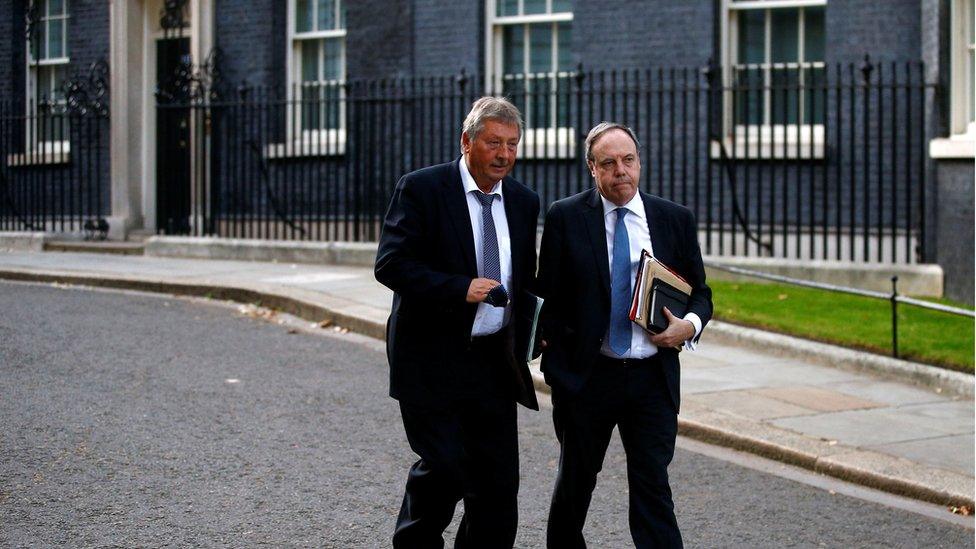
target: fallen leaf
<point>781,297</point>
<point>963,510</point>
<point>325,323</point>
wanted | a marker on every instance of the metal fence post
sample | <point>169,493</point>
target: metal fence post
<point>894,316</point>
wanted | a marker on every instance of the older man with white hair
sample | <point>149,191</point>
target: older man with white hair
<point>457,249</point>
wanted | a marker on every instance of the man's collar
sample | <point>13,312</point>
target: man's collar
<point>636,205</point>
<point>468,180</point>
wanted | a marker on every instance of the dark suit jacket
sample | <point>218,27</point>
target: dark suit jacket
<point>426,256</point>
<point>574,279</point>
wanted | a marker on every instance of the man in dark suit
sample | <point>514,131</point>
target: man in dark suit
<point>604,370</point>
<point>457,249</point>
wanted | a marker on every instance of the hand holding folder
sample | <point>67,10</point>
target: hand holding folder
<point>657,286</point>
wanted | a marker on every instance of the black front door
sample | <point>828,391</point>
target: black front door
<point>172,137</point>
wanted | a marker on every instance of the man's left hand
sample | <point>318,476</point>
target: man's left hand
<point>678,331</point>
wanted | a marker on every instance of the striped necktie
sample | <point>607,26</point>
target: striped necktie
<point>489,251</point>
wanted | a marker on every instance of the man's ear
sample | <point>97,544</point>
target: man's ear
<point>592,167</point>
<point>465,142</point>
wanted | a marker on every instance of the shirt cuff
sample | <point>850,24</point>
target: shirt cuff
<point>693,318</point>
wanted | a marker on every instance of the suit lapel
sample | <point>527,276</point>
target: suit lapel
<point>457,209</point>
<point>515,227</point>
<point>658,229</point>
<point>596,229</point>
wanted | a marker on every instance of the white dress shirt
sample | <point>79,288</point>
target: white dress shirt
<point>489,319</point>
<point>640,239</point>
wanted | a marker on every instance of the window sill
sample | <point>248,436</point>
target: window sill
<point>40,158</point>
<point>958,146</point>
<point>331,143</point>
<point>772,142</point>
<point>760,149</point>
<point>548,143</point>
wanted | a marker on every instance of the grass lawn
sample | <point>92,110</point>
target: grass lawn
<point>923,335</point>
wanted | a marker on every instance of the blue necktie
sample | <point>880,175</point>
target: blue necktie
<point>489,252</point>
<point>620,294</point>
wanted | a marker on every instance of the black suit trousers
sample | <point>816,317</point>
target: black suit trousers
<point>634,399</point>
<point>468,449</point>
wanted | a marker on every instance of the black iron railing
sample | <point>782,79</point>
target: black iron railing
<point>894,298</point>
<point>54,173</point>
<point>811,162</point>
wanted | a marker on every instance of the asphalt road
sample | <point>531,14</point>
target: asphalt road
<point>132,420</point>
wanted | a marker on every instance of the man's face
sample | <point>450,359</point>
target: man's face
<point>615,166</point>
<point>491,155</point>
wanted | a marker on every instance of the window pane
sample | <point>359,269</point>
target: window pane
<point>342,14</point>
<point>507,7</point>
<point>326,15</point>
<point>813,33</point>
<point>310,60</point>
<point>311,103</point>
<point>562,101</point>
<point>534,6</point>
<point>540,52</point>
<point>785,96</point>
<point>565,52</point>
<point>749,93</point>
<point>562,5</point>
<point>752,36</point>
<point>303,16</point>
<point>55,45</point>
<point>43,84</point>
<point>37,41</point>
<point>514,46</point>
<point>813,98</point>
<point>51,123</point>
<point>311,108</point>
<point>785,34</point>
<point>514,89</point>
<point>333,59</point>
<point>538,91</point>
<point>59,74</point>
<point>56,7</point>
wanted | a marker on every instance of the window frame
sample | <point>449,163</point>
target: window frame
<point>961,142</point>
<point>765,141</point>
<point>300,142</point>
<point>959,125</point>
<point>38,151</point>
<point>550,141</point>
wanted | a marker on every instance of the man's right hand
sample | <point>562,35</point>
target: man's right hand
<point>479,288</point>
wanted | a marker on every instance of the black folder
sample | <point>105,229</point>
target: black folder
<point>657,286</point>
<point>664,295</point>
<point>527,340</point>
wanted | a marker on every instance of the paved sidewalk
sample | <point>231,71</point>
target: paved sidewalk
<point>880,433</point>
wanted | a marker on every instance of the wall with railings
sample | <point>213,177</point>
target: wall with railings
<point>830,166</point>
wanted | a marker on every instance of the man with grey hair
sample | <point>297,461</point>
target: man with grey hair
<point>458,250</point>
<point>606,371</point>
